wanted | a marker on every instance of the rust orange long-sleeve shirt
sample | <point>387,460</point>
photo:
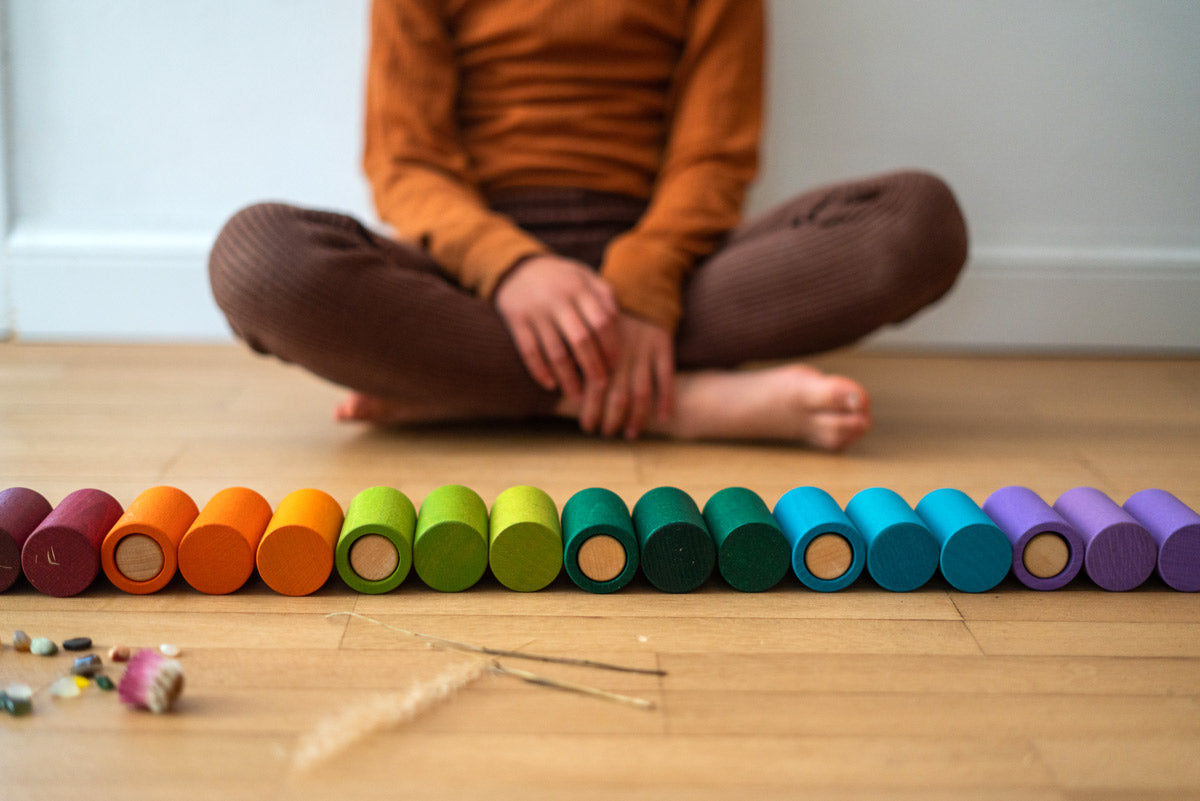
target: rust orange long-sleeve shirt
<point>658,99</point>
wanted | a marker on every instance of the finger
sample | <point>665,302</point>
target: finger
<point>584,348</point>
<point>664,382</point>
<point>592,407</point>
<point>641,396</point>
<point>530,352</point>
<point>560,362</point>
<point>604,327</point>
<point>616,404</point>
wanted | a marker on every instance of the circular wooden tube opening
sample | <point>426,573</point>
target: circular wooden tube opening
<point>1046,555</point>
<point>374,557</point>
<point>602,558</point>
<point>828,556</point>
<point>138,557</point>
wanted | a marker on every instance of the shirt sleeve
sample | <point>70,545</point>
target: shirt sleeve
<point>420,175</point>
<point>710,157</point>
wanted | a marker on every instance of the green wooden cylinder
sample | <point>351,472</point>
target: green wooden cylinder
<point>450,546</point>
<point>374,550</point>
<point>752,552</point>
<point>525,546</point>
<point>601,552</point>
<point>677,552</point>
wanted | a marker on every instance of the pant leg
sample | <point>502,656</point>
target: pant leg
<point>319,290</point>
<point>823,270</point>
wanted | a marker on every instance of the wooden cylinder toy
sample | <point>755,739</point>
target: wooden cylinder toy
<point>1175,527</point>
<point>21,510</point>
<point>828,552</point>
<point>217,553</point>
<point>677,551</point>
<point>295,554</point>
<point>600,553</point>
<point>139,554</point>
<point>902,553</point>
<point>975,554</point>
<point>1119,554</point>
<point>525,545</point>
<point>374,549</point>
<point>62,555</point>
<point>1047,550</point>
<point>752,553</point>
<point>450,546</point>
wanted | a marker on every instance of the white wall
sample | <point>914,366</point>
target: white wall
<point>1070,129</point>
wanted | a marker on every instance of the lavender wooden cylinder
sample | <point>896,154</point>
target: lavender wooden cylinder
<point>21,510</point>
<point>1119,553</point>
<point>1023,517</point>
<point>1176,528</point>
<point>62,556</point>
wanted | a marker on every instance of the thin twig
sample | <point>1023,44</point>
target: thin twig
<point>566,686</point>
<point>454,645</point>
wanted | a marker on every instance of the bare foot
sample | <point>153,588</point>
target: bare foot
<point>360,408</point>
<point>790,403</point>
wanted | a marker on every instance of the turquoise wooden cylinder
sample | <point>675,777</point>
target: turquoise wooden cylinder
<point>380,512</point>
<point>807,513</point>
<point>599,516</point>
<point>450,546</point>
<point>677,551</point>
<point>975,554</point>
<point>902,553</point>
<point>752,553</point>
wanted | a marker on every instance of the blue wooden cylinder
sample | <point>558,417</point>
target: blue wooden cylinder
<point>975,554</point>
<point>902,553</point>
<point>810,517</point>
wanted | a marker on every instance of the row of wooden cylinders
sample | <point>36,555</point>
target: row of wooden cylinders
<point>454,540</point>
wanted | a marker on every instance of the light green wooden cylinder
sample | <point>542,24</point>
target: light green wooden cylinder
<point>377,513</point>
<point>525,539</point>
<point>450,547</point>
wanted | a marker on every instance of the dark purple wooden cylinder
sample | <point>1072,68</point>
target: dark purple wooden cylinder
<point>21,510</point>
<point>1119,552</point>
<point>62,555</point>
<point>1176,528</point>
<point>1022,515</point>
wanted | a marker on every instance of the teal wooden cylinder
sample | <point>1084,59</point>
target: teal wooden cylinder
<point>975,554</point>
<point>374,550</point>
<point>525,546</point>
<point>902,553</point>
<point>822,538</point>
<point>450,545</point>
<point>677,552</point>
<point>601,548</point>
<point>752,553</point>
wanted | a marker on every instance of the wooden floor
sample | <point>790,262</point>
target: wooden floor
<point>1077,694</point>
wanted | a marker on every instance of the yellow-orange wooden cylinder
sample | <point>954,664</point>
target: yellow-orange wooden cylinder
<point>295,555</point>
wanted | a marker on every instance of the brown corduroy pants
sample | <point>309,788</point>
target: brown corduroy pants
<point>321,290</point>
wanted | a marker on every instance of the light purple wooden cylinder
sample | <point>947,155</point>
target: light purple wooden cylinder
<point>1119,552</point>
<point>1022,514</point>
<point>1176,528</point>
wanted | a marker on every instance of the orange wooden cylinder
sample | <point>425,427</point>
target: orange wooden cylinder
<point>295,555</point>
<point>139,553</point>
<point>216,555</point>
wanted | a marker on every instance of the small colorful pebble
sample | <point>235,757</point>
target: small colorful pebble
<point>18,699</point>
<point>169,650</point>
<point>21,641</point>
<point>43,646</point>
<point>77,643</point>
<point>104,683</point>
<point>87,666</point>
<point>65,687</point>
<point>118,653</point>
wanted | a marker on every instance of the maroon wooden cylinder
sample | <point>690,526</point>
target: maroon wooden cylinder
<point>21,510</point>
<point>62,555</point>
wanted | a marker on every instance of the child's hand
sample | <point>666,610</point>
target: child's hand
<point>643,382</point>
<point>563,320</point>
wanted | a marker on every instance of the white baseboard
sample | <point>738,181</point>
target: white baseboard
<point>155,288</point>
